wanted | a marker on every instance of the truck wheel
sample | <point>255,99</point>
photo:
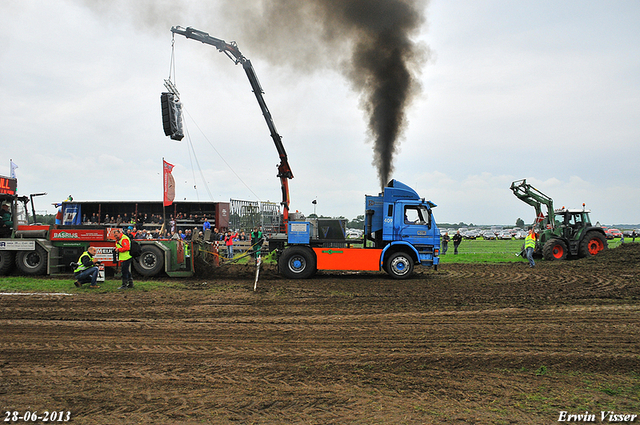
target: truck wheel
<point>399,265</point>
<point>593,243</point>
<point>150,262</point>
<point>297,262</point>
<point>555,249</point>
<point>6,261</point>
<point>32,262</point>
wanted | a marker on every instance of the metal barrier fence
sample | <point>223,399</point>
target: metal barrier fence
<point>246,215</point>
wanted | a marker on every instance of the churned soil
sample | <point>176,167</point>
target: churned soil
<point>481,344</point>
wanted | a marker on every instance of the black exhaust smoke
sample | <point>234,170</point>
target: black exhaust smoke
<point>383,57</point>
<point>369,40</point>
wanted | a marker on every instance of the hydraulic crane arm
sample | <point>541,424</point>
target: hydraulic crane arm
<point>532,196</point>
<point>232,51</point>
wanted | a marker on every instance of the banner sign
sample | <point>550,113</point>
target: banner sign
<point>71,215</point>
<point>169,183</point>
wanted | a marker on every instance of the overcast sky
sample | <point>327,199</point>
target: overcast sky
<point>546,90</point>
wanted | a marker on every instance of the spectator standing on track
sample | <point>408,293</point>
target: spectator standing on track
<point>256,242</point>
<point>228,241</point>
<point>530,246</point>
<point>457,238</point>
<point>445,242</point>
<point>87,269</point>
<point>123,245</point>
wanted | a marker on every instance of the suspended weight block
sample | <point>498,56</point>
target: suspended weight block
<point>172,115</point>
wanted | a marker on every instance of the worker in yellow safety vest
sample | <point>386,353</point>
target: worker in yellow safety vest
<point>123,246</point>
<point>87,269</point>
<point>530,246</point>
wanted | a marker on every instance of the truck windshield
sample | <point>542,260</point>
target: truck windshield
<point>21,213</point>
<point>416,214</point>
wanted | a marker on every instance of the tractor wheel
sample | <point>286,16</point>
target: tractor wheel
<point>32,262</point>
<point>150,262</point>
<point>6,262</point>
<point>399,265</point>
<point>593,243</point>
<point>555,249</point>
<point>297,262</point>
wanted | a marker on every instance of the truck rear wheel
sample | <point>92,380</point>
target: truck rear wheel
<point>593,243</point>
<point>6,261</point>
<point>32,262</point>
<point>297,262</point>
<point>150,262</point>
<point>555,249</point>
<point>399,265</point>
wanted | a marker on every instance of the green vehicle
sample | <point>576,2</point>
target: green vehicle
<point>563,233</point>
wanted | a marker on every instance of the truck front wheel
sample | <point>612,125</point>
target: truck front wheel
<point>32,262</point>
<point>150,262</point>
<point>399,265</point>
<point>297,262</point>
<point>6,262</point>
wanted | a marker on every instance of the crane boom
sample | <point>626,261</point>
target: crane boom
<point>232,51</point>
<point>532,196</point>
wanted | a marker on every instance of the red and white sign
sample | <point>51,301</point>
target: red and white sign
<point>539,218</point>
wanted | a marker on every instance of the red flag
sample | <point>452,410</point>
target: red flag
<point>169,183</point>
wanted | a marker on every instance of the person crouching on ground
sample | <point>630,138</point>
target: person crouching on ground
<point>87,270</point>
<point>123,245</point>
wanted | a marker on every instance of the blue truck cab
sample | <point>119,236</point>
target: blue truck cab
<point>401,223</point>
<point>400,232</point>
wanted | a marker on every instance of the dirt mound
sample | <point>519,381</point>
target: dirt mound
<point>614,260</point>
<point>626,254</point>
<point>207,269</point>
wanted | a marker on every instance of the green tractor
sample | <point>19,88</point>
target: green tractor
<point>563,233</point>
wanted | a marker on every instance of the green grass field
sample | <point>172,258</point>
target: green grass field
<point>61,285</point>
<point>484,251</point>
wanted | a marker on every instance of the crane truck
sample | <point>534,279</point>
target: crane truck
<point>400,230</point>
<point>37,249</point>
<point>563,233</point>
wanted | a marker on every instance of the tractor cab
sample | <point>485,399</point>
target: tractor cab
<point>570,223</point>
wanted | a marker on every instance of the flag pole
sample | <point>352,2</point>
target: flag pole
<point>164,214</point>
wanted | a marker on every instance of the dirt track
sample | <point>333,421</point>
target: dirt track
<point>477,344</point>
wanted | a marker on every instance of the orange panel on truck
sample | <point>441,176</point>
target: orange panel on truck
<point>348,258</point>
